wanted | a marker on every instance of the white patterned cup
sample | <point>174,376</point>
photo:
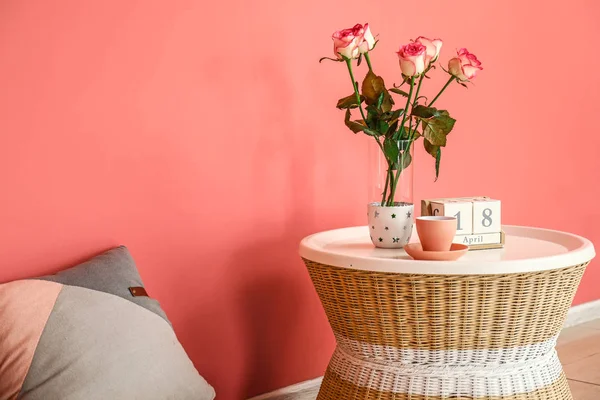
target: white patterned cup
<point>390,227</point>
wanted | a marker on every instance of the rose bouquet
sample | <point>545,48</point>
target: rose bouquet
<point>395,130</point>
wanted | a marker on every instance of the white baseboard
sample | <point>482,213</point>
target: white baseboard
<point>308,390</point>
<point>582,313</point>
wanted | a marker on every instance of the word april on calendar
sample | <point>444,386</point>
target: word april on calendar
<point>478,219</point>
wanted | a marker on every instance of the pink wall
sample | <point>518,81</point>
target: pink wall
<point>204,137</point>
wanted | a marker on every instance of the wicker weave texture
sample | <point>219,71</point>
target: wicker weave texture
<point>388,354</point>
<point>475,380</point>
<point>335,388</point>
<point>445,312</point>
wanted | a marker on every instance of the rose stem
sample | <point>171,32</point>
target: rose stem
<point>368,59</point>
<point>452,77</point>
<point>355,86</point>
<point>399,169</point>
<point>412,135</point>
<point>385,188</point>
<point>412,85</point>
<point>384,194</point>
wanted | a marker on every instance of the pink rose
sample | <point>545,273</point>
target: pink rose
<point>346,42</point>
<point>433,48</point>
<point>368,41</point>
<point>465,66</point>
<point>412,59</point>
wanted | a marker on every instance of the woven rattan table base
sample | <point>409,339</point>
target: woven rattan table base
<point>443,312</point>
<point>473,321</point>
<point>335,388</point>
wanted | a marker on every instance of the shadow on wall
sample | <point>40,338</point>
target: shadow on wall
<point>250,343</point>
<point>273,299</point>
<point>273,292</point>
<point>261,287</point>
<point>270,307</point>
<point>273,296</point>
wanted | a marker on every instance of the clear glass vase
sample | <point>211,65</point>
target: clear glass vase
<point>391,208</point>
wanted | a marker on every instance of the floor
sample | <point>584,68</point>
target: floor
<point>579,350</point>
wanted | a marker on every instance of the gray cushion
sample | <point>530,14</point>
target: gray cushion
<point>112,272</point>
<point>100,342</point>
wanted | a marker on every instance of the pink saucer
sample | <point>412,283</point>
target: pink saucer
<point>456,251</point>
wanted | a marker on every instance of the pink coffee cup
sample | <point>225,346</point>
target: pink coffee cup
<point>436,233</point>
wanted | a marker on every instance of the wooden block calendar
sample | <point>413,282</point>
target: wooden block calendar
<point>478,219</point>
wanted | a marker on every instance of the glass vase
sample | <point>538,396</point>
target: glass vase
<point>391,207</point>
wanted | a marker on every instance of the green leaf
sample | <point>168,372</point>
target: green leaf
<point>424,111</point>
<point>372,87</point>
<point>397,113</point>
<point>388,101</point>
<point>430,148</point>
<point>391,149</point>
<point>354,126</point>
<point>434,134</point>
<point>438,158</point>
<point>406,159</point>
<point>436,123</point>
<point>391,116</point>
<point>386,116</point>
<point>372,116</point>
<point>348,102</point>
<point>436,152</point>
<point>398,91</point>
<point>380,100</point>
<point>358,126</point>
<point>436,128</point>
<point>371,132</point>
<point>383,127</point>
<point>404,133</point>
<point>416,134</point>
<point>372,109</point>
<point>393,128</point>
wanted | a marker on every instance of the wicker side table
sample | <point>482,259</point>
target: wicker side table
<point>483,327</point>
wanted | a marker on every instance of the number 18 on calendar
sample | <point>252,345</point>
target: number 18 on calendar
<point>478,218</point>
